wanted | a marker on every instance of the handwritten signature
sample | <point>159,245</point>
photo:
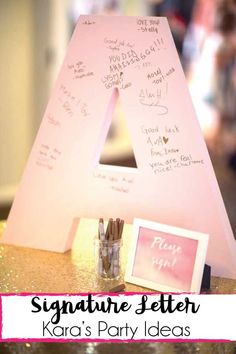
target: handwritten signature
<point>87,22</point>
<point>152,99</point>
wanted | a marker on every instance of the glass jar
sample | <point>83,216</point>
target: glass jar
<point>108,258</point>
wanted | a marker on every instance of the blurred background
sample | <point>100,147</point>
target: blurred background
<point>34,35</point>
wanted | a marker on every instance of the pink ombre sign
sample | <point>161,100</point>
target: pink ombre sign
<point>132,59</point>
<point>166,258</point>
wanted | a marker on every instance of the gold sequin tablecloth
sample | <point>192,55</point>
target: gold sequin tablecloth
<point>29,270</point>
<point>117,348</point>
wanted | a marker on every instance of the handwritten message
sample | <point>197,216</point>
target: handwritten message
<point>79,70</point>
<point>117,44</point>
<point>88,22</point>
<point>144,65</point>
<point>70,104</point>
<point>157,76</point>
<point>116,182</point>
<point>47,156</point>
<point>115,80</point>
<point>52,120</point>
<point>165,155</point>
<point>153,98</point>
<point>148,25</point>
<point>120,61</point>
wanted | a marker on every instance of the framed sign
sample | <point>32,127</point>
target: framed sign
<point>166,258</point>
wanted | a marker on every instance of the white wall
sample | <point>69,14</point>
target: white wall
<point>15,90</point>
<point>33,40</point>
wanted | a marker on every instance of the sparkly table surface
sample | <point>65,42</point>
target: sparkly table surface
<point>117,348</point>
<point>29,270</point>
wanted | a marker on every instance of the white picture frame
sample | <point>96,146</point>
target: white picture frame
<point>156,263</point>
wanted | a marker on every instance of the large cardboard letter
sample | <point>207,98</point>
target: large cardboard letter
<point>174,183</point>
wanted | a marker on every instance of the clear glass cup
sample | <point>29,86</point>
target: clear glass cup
<point>108,258</point>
